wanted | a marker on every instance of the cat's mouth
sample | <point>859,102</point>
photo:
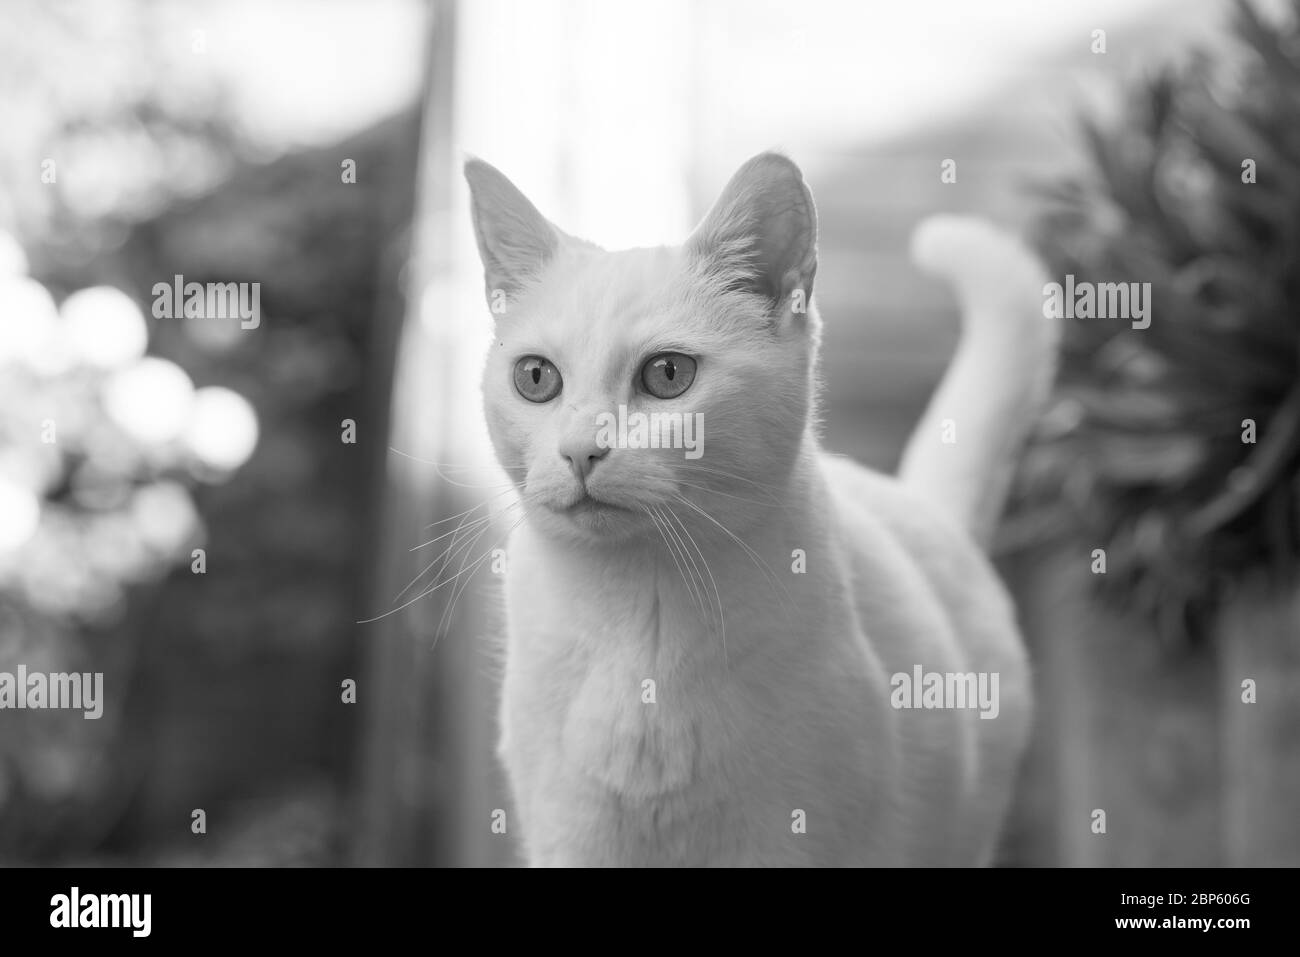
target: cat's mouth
<point>588,504</point>
<point>593,517</point>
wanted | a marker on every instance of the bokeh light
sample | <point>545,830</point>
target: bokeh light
<point>103,327</point>
<point>222,431</point>
<point>13,261</point>
<point>28,321</point>
<point>164,516</point>
<point>20,514</point>
<point>150,400</point>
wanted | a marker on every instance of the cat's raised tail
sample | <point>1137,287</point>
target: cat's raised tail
<point>962,455</point>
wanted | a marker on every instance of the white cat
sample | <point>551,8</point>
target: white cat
<point>701,651</point>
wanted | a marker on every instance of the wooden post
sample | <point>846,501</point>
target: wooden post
<point>1259,640</point>
<point>1125,726</point>
<point>428,783</point>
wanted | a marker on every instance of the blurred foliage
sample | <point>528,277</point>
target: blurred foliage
<point>222,689</point>
<point>1143,450</point>
<point>110,94</point>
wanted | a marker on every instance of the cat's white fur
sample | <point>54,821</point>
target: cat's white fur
<point>771,739</point>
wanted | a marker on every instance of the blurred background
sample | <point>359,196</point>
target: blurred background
<point>206,513</point>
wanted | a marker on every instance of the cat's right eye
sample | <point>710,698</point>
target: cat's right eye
<point>537,379</point>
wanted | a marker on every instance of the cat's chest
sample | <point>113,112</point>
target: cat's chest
<point>608,680</point>
<point>607,695</point>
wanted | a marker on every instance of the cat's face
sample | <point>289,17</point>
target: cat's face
<point>625,391</point>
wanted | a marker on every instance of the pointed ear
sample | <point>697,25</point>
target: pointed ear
<point>762,233</point>
<point>515,241</point>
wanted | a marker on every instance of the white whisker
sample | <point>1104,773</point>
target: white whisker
<point>757,559</point>
<point>722,625</point>
<point>666,533</point>
<point>438,468</point>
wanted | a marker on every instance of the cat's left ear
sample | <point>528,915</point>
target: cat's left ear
<point>515,241</point>
<point>761,234</point>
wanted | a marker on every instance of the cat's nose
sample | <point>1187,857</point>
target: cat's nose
<point>582,455</point>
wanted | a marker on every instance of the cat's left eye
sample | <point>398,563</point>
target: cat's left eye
<point>537,379</point>
<point>668,375</point>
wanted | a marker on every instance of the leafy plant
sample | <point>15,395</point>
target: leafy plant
<point>1149,449</point>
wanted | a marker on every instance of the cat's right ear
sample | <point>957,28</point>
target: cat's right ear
<point>515,241</point>
<point>761,234</point>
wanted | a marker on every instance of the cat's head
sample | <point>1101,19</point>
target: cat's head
<point>705,349</point>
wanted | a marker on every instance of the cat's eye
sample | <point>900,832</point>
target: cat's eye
<point>668,375</point>
<point>537,379</point>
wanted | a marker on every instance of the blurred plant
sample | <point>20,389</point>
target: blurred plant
<point>1144,449</point>
<point>160,171</point>
<point>110,117</point>
<point>98,445</point>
